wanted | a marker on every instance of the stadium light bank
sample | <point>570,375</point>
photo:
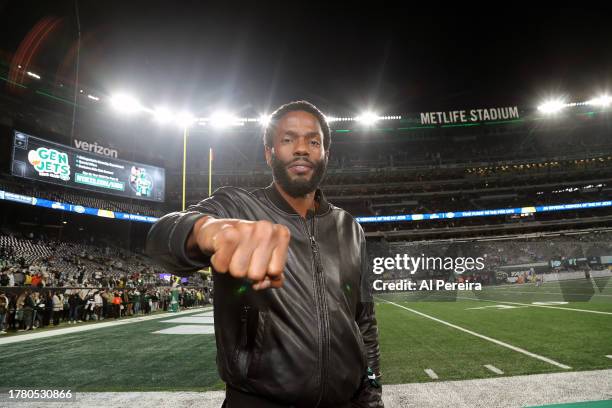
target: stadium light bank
<point>125,103</point>
<point>554,106</point>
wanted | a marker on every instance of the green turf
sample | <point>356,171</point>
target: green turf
<point>124,358</point>
<point>410,344</point>
<point>132,357</point>
<point>578,339</point>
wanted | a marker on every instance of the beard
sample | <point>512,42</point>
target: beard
<point>301,186</point>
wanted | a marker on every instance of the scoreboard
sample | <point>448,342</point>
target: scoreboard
<point>41,160</point>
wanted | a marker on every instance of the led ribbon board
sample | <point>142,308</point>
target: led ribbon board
<point>483,213</point>
<point>40,202</point>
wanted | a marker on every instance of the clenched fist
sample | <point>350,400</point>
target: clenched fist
<point>255,250</point>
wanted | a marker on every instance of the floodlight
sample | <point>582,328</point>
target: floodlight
<point>264,119</point>
<point>125,103</point>
<point>185,119</point>
<point>368,118</point>
<point>222,119</point>
<point>552,106</point>
<point>163,115</point>
<point>603,101</point>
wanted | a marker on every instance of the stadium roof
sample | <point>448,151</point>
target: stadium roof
<point>377,57</point>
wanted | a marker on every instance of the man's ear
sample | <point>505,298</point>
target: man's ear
<point>268,152</point>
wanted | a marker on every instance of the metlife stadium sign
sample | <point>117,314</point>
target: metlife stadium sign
<point>469,116</point>
<point>41,160</point>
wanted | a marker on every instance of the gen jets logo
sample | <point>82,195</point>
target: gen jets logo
<point>50,163</point>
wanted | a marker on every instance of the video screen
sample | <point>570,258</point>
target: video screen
<point>42,160</point>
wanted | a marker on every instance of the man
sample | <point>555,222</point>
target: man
<point>19,310</point>
<point>294,319</point>
<point>4,308</point>
<point>58,306</point>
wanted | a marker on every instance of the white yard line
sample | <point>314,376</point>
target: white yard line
<point>492,340</point>
<point>493,369</point>
<point>532,305</point>
<point>537,292</point>
<point>36,335</point>
<point>431,373</point>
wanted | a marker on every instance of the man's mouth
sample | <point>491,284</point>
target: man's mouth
<point>300,167</point>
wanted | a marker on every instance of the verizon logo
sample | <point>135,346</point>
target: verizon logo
<point>95,148</point>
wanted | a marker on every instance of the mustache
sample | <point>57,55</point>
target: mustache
<point>301,159</point>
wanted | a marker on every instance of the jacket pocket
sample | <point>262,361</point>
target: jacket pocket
<point>247,353</point>
<point>362,348</point>
<point>258,345</point>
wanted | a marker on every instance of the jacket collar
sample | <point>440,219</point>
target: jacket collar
<point>278,200</point>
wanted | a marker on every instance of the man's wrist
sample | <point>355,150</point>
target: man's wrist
<point>192,249</point>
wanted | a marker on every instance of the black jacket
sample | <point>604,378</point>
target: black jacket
<point>308,343</point>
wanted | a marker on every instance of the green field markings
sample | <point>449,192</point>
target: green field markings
<point>116,358</point>
<point>188,329</point>
<point>409,344</point>
<point>192,320</point>
<point>201,323</point>
<point>487,338</point>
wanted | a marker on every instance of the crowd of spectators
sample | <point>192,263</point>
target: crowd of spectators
<point>32,307</point>
<point>386,186</point>
<point>45,282</point>
<point>582,250</point>
<point>30,260</point>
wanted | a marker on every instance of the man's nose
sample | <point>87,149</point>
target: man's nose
<point>301,147</point>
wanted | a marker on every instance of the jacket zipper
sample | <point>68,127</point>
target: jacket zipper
<point>241,348</point>
<point>319,279</point>
<point>244,320</point>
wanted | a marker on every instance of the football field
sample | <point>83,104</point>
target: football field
<point>424,337</point>
<point>509,330</point>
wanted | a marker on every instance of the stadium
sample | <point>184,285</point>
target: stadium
<point>519,194</point>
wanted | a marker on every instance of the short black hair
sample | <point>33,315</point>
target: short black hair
<point>268,136</point>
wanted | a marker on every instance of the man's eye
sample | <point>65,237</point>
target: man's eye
<point>286,140</point>
<point>316,143</point>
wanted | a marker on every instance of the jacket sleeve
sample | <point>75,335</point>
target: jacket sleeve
<point>167,237</point>
<point>368,396</point>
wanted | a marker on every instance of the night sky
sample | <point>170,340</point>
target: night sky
<point>342,58</point>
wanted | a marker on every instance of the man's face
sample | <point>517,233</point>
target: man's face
<point>298,158</point>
